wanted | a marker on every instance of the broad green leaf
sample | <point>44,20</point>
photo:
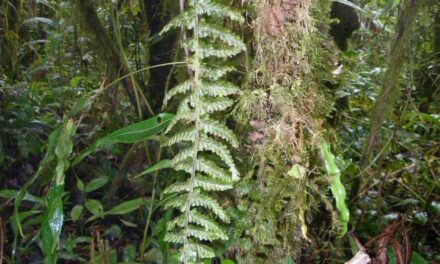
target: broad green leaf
<point>337,188</point>
<point>54,216</point>
<point>94,207</point>
<point>228,261</point>
<point>52,224</point>
<point>44,165</point>
<point>95,184</point>
<point>76,212</point>
<point>130,134</point>
<point>163,164</point>
<point>127,207</point>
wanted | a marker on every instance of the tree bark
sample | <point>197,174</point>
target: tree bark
<point>390,90</point>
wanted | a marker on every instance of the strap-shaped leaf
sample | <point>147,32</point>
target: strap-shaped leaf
<point>337,188</point>
<point>130,134</point>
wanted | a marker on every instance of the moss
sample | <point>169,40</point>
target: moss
<point>284,108</point>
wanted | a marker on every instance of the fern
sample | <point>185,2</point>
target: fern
<point>204,138</point>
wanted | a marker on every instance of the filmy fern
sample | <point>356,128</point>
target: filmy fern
<point>204,155</point>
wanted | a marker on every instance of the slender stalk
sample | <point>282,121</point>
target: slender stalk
<point>196,86</point>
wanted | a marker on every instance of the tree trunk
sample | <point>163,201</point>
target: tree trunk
<point>390,92</point>
<point>106,48</point>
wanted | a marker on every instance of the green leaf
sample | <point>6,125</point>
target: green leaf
<point>228,261</point>
<point>76,212</point>
<point>130,134</point>
<point>337,188</point>
<point>52,224</point>
<point>94,207</point>
<point>80,185</point>
<point>95,184</point>
<point>35,20</point>
<point>127,207</point>
<point>163,164</point>
<point>139,131</point>
<point>8,193</point>
<point>418,259</point>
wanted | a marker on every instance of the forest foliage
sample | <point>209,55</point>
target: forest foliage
<point>219,131</point>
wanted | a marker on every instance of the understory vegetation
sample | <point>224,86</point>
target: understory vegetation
<point>220,131</point>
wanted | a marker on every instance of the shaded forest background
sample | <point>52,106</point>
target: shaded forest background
<point>331,109</point>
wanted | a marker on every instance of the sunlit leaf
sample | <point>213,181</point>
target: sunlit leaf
<point>52,224</point>
<point>130,134</point>
<point>337,188</point>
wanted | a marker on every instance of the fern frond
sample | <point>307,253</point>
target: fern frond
<point>215,104</point>
<point>214,128</point>
<point>212,8</point>
<point>222,151</point>
<point>219,88</point>
<point>184,155</point>
<point>179,89</point>
<point>225,35</point>
<point>207,202</point>
<point>196,217</point>
<point>209,167</point>
<point>202,251</point>
<point>185,19</point>
<point>208,49</point>
<point>215,73</point>
<point>204,94</point>
<point>208,184</point>
<point>188,135</point>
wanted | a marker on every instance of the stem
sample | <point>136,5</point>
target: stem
<point>196,85</point>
